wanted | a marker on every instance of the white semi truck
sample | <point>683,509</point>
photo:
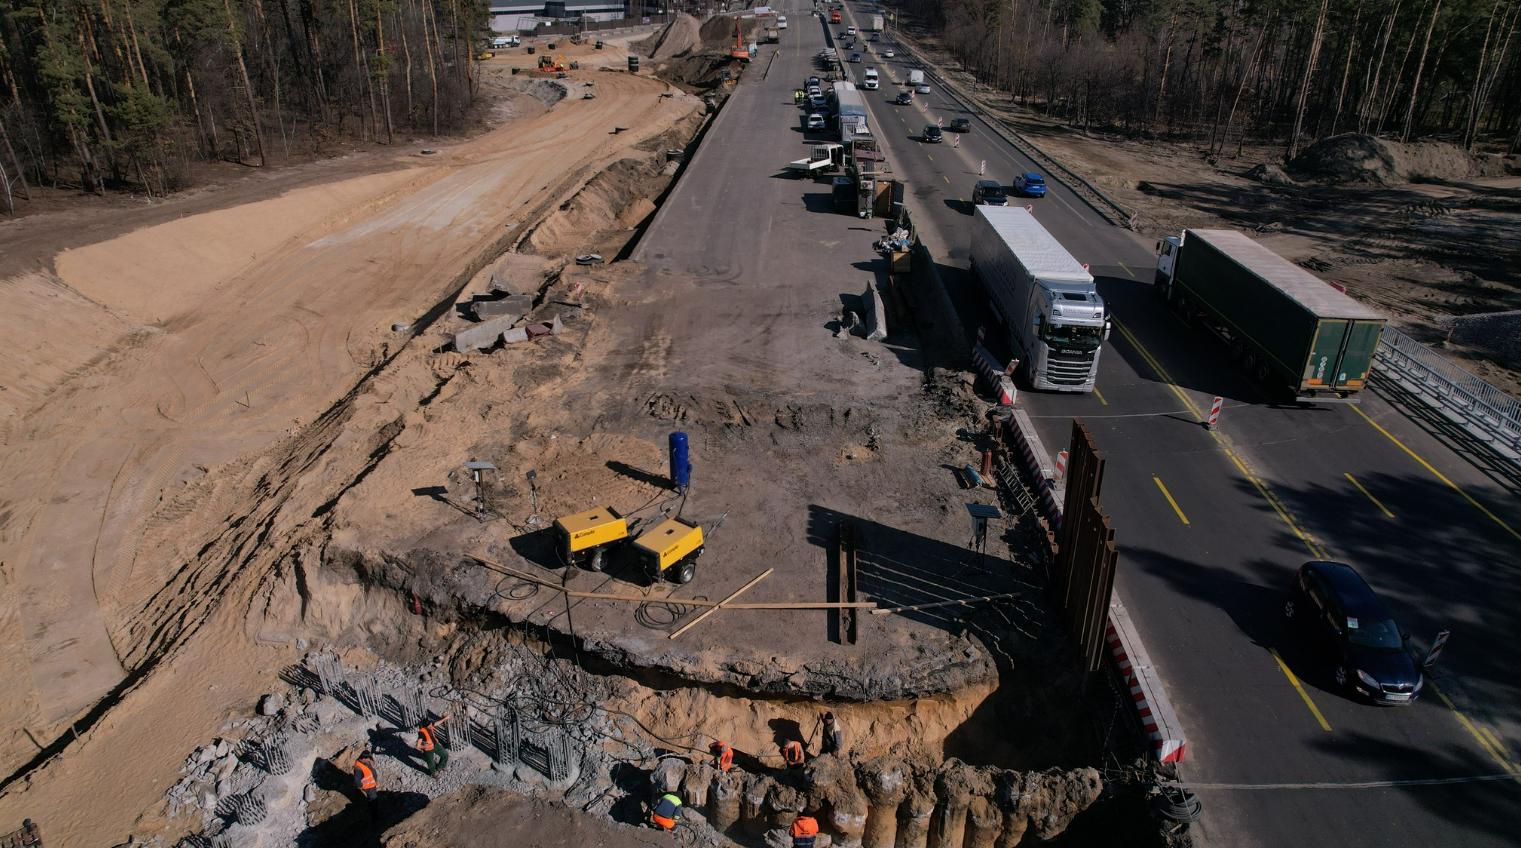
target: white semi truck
<point>1055,319</point>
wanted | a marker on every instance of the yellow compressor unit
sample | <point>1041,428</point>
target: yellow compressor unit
<point>584,538</point>
<point>669,550</point>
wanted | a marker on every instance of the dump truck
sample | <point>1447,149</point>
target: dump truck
<point>1284,325</point>
<point>1054,317</point>
<point>669,550</point>
<point>585,538</point>
<point>772,36</point>
<point>834,16</point>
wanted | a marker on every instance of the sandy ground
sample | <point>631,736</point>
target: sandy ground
<point>193,345</point>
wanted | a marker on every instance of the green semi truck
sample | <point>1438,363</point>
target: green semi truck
<point>1284,325</point>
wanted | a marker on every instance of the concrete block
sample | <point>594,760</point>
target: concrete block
<point>518,304</point>
<point>876,314</point>
<point>516,334</point>
<point>484,334</point>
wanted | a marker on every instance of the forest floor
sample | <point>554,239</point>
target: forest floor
<point>1422,250</point>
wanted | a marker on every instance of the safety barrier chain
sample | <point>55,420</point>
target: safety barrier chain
<point>1436,379</point>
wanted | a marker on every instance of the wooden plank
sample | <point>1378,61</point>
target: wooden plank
<point>741,590</point>
<point>600,596</point>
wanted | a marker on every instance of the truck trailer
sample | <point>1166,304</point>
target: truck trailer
<point>1283,324</point>
<point>850,110</point>
<point>1055,319</point>
<point>876,23</point>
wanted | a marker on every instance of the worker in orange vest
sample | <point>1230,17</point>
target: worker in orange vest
<point>667,812</point>
<point>723,755</point>
<point>804,830</point>
<point>364,781</point>
<point>792,753</point>
<point>436,758</point>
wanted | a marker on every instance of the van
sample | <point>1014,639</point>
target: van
<point>781,21</point>
<point>989,193</point>
<point>869,80</point>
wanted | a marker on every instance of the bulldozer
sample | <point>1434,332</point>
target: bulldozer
<point>669,550</point>
<point>552,63</point>
<point>584,539</point>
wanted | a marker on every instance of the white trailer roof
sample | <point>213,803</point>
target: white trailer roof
<point>1280,273</point>
<point>1039,251</point>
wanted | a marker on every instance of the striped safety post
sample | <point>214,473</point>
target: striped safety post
<point>940,122</point>
<point>1214,413</point>
<point>1061,464</point>
<point>981,334</point>
<point>1436,649</point>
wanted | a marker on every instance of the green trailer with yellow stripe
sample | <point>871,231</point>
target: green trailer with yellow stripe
<point>1281,323</point>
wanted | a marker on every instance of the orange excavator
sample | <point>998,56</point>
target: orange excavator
<point>551,63</point>
<point>740,51</point>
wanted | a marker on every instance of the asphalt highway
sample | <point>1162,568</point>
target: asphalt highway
<point>1212,525</point>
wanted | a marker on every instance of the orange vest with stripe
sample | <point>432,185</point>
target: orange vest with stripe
<point>425,738</point>
<point>725,757</point>
<point>792,752</point>
<point>364,776</point>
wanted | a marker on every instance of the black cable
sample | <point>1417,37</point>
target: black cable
<point>1176,804</point>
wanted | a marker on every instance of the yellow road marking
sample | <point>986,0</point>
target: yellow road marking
<point>1262,488</point>
<point>1439,475</point>
<point>947,179</point>
<point>1325,725</point>
<point>1370,495</point>
<point>1496,753</point>
<point>1168,495</point>
<point>931,158</point>
<point>1100,396</point>
<point>1127,270</point>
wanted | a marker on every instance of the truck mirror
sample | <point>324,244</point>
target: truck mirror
<point>1108,325</point>
<point>1159,247</point>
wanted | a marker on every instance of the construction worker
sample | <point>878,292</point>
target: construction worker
<point>364,781</point>
<point>427,743</point>
<point>834,737</point>
<point>805,829</point>
<point>667,812</point>
<point>792,754</point>
<point>723,755</point>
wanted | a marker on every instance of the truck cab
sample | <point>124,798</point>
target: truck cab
<point>870,81</point>
<point>1167,262</point>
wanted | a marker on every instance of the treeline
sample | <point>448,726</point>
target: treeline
<point>126,94</point>
<point>1222,72</point>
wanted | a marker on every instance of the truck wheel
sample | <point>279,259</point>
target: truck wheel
<point>687,571</point>
<point>1237,348</point>
<point>1248,359</point>
<point>1261,372</point>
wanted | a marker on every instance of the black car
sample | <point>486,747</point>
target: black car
<point>1355,628</point>
<point>932,134</point>
<point>960,125</point>
<point>904,98</point>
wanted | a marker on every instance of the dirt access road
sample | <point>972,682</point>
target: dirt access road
<point>156,355</point>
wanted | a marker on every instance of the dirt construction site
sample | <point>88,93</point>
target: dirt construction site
<point>240,542</point>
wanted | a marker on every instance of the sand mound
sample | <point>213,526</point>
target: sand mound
<point>549,92</point>
<point>1354,158</point>
<point>676,38</point>
<point>719,31</point>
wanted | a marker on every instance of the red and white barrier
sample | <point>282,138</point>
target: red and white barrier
<point>1214,412</point>
<point>1033,454</point>
<point>1157,718</point>
<point>1061,465</point>
<point>998,378</point>
<point>1436,649</point>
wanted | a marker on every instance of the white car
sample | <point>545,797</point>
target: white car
<point>850,31</point>
<point>815,122</point>
<point>888,54</point>
<point>922,88</point>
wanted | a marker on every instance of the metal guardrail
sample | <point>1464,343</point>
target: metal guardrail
<point>1493,414</point>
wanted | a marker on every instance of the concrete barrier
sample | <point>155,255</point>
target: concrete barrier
<point>484,334</point>
<point>876,315</point>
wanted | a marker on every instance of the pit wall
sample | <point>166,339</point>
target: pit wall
<point>885,802</point>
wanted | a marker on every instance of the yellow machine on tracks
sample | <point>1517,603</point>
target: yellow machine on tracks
<point>669,550</point>
<point>584,539</point>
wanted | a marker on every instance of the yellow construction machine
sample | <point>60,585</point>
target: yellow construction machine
<point>584,539</point>
<point>552,63</point>
<point>669,550</point>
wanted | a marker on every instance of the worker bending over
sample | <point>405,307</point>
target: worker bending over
<point>805,829</point>
<point>667,812</point>
<point>792,754</point>
<point>723,755</point>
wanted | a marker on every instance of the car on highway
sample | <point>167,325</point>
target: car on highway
<point>815,122</point>
<point>817,102</point>
<point>1030,185</point>
<point>989,193</point>
<point>850,31</point>
<point>932,135</point>
<point>1353,627</point>
<point>960,125</point>
<point>904,98</point>
<point>888,54</point>
<point>855,57</point>
<point>922,88</point>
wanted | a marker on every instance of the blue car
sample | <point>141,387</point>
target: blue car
<point>1030,185</point>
